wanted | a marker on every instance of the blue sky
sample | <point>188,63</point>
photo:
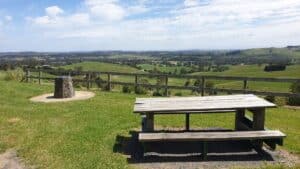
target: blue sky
<point>83,25</point>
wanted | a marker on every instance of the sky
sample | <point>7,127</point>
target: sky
<point>88,25</point>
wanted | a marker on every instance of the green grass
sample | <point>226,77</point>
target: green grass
<point>266,52</point>
<point>82,134</point>
<point>239,70</point>
<point>102,67</point>
<point>163,68</point>
<point>256,71</point>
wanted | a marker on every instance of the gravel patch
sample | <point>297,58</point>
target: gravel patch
<point>48,98</point>
<point>10,160</point>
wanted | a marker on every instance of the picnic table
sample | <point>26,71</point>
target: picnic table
<point>245,127</point>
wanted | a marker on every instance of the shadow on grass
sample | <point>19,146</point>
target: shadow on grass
<point>188,151</point>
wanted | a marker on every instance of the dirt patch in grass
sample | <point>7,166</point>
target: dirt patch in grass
<point>49,98</point>
<point>14,120</point>
<point>10,160</point>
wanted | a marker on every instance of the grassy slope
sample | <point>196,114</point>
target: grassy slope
<point>164,69</point>
<point>266,52</point>
<point>82,134</point>
<point>104,67</point>
<point>256,71</point>
<point>247,70</point>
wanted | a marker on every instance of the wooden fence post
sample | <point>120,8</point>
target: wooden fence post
<point>40,77</point>
<point>27,75</point>
<point>245,86</point>
<point>136,83</point>
<point>203,86</point>
<point>88,80</point>
<point>108,81</point>
<point>166,85</point>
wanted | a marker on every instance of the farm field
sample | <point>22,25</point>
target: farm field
<point>239,70</point>
<point>163,68</point>
<point>256,71</point>
<point>102,67</point>
<point>82,134</point>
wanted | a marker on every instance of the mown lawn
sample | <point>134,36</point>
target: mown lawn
<point>82,134</point>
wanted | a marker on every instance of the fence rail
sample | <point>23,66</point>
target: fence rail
<point>201,88</point>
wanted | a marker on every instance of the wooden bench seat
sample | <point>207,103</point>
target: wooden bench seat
<point>270,137</point>
<point>211,136</point>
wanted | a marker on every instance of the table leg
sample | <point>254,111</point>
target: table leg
<point>148,122</point>
<point>259,119</point>
<point>239,116</point>
<point>187,121</point>
<point>258,124</point>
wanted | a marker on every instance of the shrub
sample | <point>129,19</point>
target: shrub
<point>209,84</point>
<point>294,101</point>
<point>17,75</point>
<point>178,94</point>
<point>270,98</point>
<point>161,92</point>
<point>126,89</point>
<point>187,83</point>
<point>157,93</point>
<point>140,90</point>
<point>220,68</point>
<point>270,68</point>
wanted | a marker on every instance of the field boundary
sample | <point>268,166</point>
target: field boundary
<point>201,88</point>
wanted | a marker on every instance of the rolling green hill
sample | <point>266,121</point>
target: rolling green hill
<point>256,71</point>
<point>103,67</point>
<point>292,53</point>
<point>163,68</point>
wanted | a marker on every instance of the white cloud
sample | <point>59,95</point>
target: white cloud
<point>217,24</point>
<point>53,19</point>
<point>106,9</point>
<point>189,3</point>
<point>54,11</point>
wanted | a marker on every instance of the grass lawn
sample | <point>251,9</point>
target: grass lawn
<point>82,134</point>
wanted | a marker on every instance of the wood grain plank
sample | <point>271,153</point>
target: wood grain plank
<point>206,103</point>
<point>211,136</point>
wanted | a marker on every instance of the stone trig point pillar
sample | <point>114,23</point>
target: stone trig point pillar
<point>64,87</point>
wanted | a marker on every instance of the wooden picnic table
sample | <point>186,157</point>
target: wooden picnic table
<point>245,127</point>
<point>208,104</point>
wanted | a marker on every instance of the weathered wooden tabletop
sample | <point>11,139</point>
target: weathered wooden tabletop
<point>186,104</point>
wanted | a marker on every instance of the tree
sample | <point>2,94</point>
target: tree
<point>294,100</point>
<point>183,71</point>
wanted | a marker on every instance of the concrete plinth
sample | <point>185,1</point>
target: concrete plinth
<point>64,87</point>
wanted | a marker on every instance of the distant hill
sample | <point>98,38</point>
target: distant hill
<point>289,51</point>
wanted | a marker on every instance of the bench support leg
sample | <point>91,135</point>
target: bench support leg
<point>187,122</point>
<point>239,116</point>
<point>258,124</point>
<point>204,150</point>
<point>148,122</point>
